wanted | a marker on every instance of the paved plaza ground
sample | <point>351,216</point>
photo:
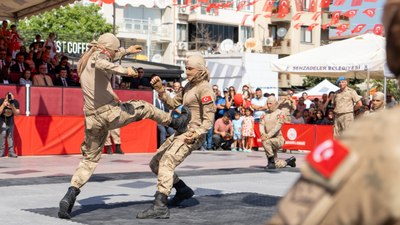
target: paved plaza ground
<point>230,188</point>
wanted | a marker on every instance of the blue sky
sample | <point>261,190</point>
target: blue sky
<point>361,18</point>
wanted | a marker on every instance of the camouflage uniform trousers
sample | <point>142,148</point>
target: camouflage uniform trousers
<point>115,136</point>
<point>108,117</point>
<point>342,122</point>
<point>271,146</point>
<point>170,154</point>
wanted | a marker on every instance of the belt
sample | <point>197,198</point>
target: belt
<point>101,109</point>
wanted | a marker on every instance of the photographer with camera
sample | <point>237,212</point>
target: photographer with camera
<point>8,108</point>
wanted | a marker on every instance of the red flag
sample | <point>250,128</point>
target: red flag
<point>268,5</point>
<point>335,17</point>
<point>325,26</point>
<point>297,16</point>
<point>227,5</point>
<point>369,0</point>
<point>256,16</point>
<point>339,33</point>
<point>358,28</point>
<point>316,15</point>
<point>326,3</point>
<point>343,27</point>
<point>313,6</point>
<point>351,13</point>
<point>268,15</point>
<point>244,19</point>
<point>252,2</point>
<point>311,27</point>
<point>203,1</point>
<point>283,8</point>
<point>356,2</point>
<point>193,7</point>
<point>297,26</point>
<point>378,29</point>
<point>299,5</point>
<point>209,7</point>
<point>370,12</point>
<point>339,2</point>
<point>187,2</point>
<point>240,5</point>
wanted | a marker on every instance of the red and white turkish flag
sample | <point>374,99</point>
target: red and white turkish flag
<point>209,7</point>
<point>378,29</point>
<point>335,17</point>
<point>240,5</point>
<point>351,13</point>
<point>268,15</point>
<point>203,1</point>
<point>325,26</point>
<point>316,16</point>
<point>356,2</point>
<point>244,19</point>
<point>188,2</point>
<point>283,8</point>
<point>193,7</point>
<point>256,16</point>
<point>358,28</point>
<point>299,5</point>
<point>325,3</point>
<point>297,16</point>
<point>227,5</point>
<point>252,2</point>
<point>311,27</point>
<point>343,27</point>
<point>370,12</point>
<point>206,99</point>
<point>268,5</point>
<point>370,0</point>
<point>297,26</point>
<point>313,6</point>
<point>338,2</point>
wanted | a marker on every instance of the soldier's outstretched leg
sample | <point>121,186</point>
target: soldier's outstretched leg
<point>158,210</point>
<point>183,192</point>
<point>68,202</point>
<point>180,123</point>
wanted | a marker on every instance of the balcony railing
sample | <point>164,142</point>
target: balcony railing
<point>144,27</point>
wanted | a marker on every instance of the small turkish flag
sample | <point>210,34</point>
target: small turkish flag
<point>227,5</point>
<point>325,3</point>
<point>327,157</point>
<point>268,6</point>
<point>370,0</point>
<point>313,6</point>
<point>370,12</point>
<point>252,3</point>
<point>378,29</point>
<point>335,17</point>
<point>256,16</point>
<point>283,8</point>
<point>297,26</point>
<point>339,2</point>
<point>358,28</point>
<point>244,19</point>
<point>311,27</point>
<point>193,7</point>
<point>343,27</point>
<point>241,5</point>
<point>325,26</point>
<point>316,15</point>
<point>356,2</point>
<point>206,99</point>
<point>299,5</point>
<point>351,13</point>
<point>297,16</point>
<point>203,1</point>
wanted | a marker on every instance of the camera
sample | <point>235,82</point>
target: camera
<point>9,97</point>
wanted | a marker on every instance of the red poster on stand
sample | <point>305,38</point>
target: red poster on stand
<point>298,136</point>
<point>257,139</point>
<point>323,133</point>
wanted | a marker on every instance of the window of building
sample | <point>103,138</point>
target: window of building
<point>245,33</point>
<point>272,31</point>
<point>306,35</point>
<point>181,32</point>
<point>306,5</point>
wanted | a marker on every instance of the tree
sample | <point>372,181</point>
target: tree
<point>76,23</point>
<point>391,87</point>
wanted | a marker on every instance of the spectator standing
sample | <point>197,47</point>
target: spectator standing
<point>259,105</point>
<point>378,102</point>
<point>246,99</point>
<point>307,101</point>
<point>320,118</point>
<point>346,102</point>
<point>221,104</point>
<point>223,133</point>
<point>115,135</point>
<point>230,103</point>
<point>9,107</point>
<point>4,67</point>
<point>50,44</point>
<point>300,105</point>
<point>42,79</point>
<point>248,130</point>
<point>237,133</point>
<point>141,82</point>
<point>15,40</point>
<point>297,117</point>
<point>176,89</point>
<point>287,104</point>
<point>25,78</point>
<point>30,62</point>
<point>163,130</point>
<point>5,33</point>
<point>38,41</point>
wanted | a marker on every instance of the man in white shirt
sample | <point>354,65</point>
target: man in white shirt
<point>307,101</point>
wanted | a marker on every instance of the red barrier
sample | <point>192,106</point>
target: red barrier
<point>257,140</point>
<point>55,135</point>
<point>47,101</point>
<point>305,136</point>
<point>72,102</point>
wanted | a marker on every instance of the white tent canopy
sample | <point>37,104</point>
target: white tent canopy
<point>357,57</point>
<point>324,87</point>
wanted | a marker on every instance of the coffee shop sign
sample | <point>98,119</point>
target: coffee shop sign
<point>71,47</point>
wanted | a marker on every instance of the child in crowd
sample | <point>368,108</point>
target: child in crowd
<point>237,133</point>
<point>248,130</point>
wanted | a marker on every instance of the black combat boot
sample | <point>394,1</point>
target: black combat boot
<point>158,210</point>
<point>291,161</point>
<point>118,149</point>
<point>109,150</point>
<point>180,123</point>
<point>68,202</point>
<point>183,192</point>
<point>271,163</point>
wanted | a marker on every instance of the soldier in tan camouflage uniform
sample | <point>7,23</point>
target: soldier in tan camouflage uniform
<point>271,135</point>
<point>104,111</point>
<point>198,96</point>
<point>346,102</point>
<point>354,179</point>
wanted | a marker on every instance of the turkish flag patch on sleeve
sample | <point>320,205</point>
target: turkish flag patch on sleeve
<point>206,99</point>
<point>327,157</point>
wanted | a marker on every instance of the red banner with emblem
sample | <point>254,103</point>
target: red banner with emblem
<point>298,136</point>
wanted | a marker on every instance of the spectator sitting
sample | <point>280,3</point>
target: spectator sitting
<point>42,79</point>
<point>141,82</point>
<point>25,78</point>
<point>320,118</point>
<point>237,133</point>
<point>297,117</point>
<point>19,67</point>
<point>312,116</point>
<point>329,118</point>
<point>4,67</point>
<point>124,85</point>
<point>63,79</point>
<point>30,62</point>
<point>45,60</point>
<point>23,51</point>
<point>248,130</point>
<point>223,132</point>
<point>306,116</point>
